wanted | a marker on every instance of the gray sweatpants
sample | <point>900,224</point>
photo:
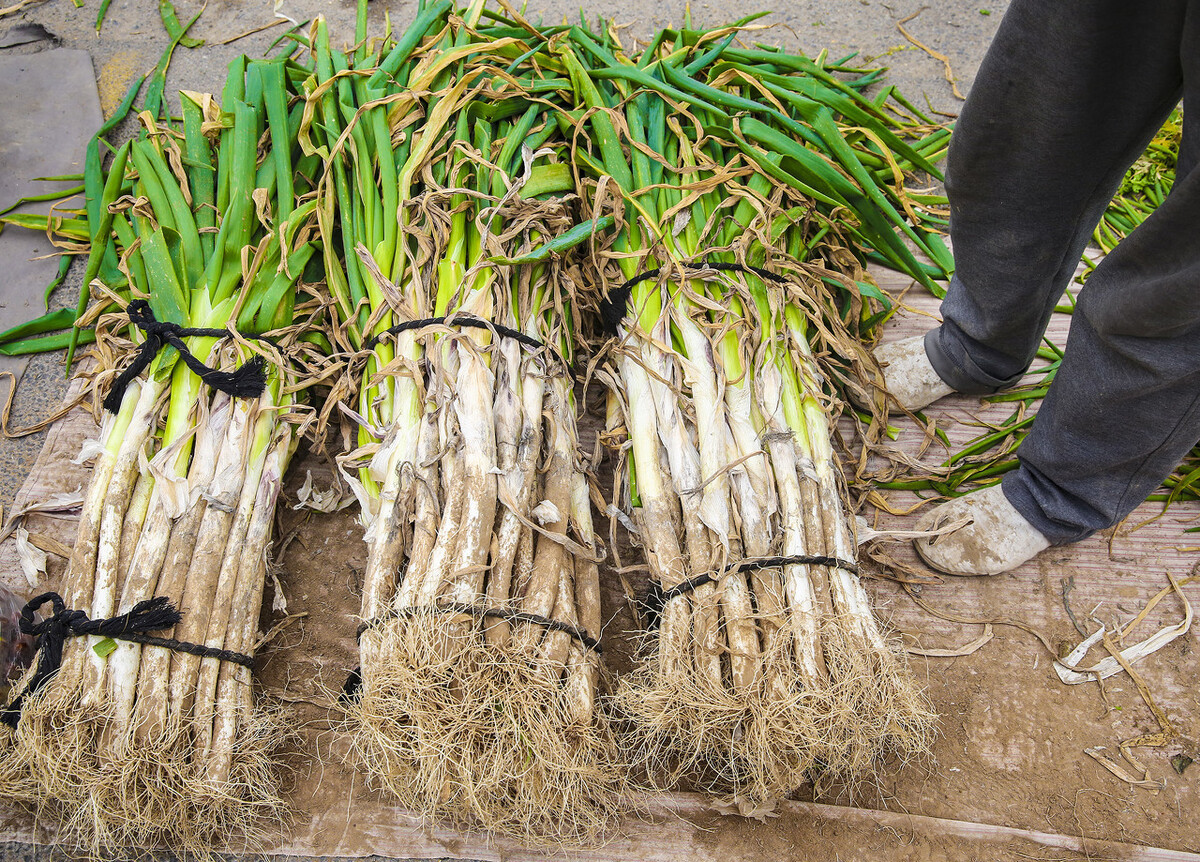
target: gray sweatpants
<point>1066,99</point>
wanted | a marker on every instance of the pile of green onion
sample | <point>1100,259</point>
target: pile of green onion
<point>455,206</point>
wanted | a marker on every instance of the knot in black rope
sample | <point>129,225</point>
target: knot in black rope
<point>146,616</point>
<point>248,381</point>
<point>468,320</point>
<point>616,303</point>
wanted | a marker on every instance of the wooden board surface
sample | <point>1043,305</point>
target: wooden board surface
<point>1013,736</point>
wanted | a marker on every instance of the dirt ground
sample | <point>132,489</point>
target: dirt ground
<point>1008,778</point>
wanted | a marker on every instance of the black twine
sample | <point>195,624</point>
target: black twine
<point>476,323</point>
<point>248,381</point>
<point>352,687</point>
<point>656,597</point>
<point>616,303</point>
<point>353,684</point>
<point>508,614</point>
<point>146,616</point>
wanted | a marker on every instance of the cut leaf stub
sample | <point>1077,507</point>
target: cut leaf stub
<point>105,647</point>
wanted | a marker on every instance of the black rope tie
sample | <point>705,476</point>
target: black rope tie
<point>481,612</point>
<point>616,303</point>
<point>247,381</point>
<point>150,615</point>
<point>656,597</point>
<point>350,689</point>
<point>473,322</point>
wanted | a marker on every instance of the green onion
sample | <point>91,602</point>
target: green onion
<point>714,385</point>
<point>182,498</point>
<point>466,465</point>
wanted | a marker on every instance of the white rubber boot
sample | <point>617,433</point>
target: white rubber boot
<point>908,374</point>
<point>996,539</point>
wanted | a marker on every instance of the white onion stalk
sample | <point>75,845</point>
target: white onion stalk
<point>134,744</point>
<point>812,683</point>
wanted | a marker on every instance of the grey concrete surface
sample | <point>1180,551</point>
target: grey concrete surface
<point>133,38</point>
<point>49,108</point>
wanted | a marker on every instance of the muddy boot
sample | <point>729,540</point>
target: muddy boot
<point>908,374</point>
<point>997,539</point>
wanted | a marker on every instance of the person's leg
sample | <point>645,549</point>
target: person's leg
<point>1067,97</point>
<point>1125,406</point>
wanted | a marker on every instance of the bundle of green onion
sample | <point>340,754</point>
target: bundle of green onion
<point>129,741</point>
<point>768,665</point>
<point>481,611</point>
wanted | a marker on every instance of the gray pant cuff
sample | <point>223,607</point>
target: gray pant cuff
<point>959,372</point>
<point>1020,495</point>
